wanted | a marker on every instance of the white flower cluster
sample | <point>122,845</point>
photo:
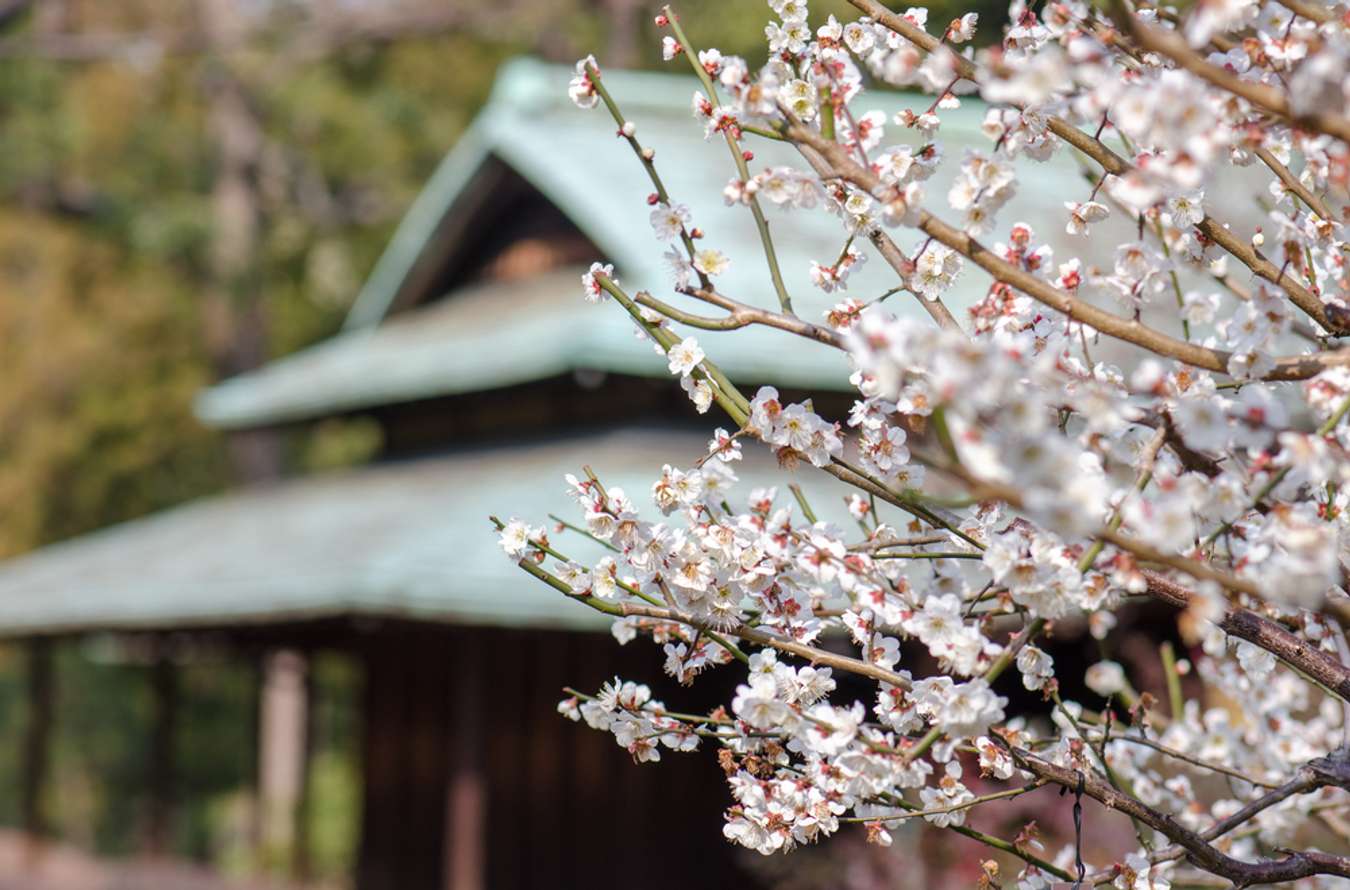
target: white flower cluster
<point>793,429</point>
<point>637,720</point>
<point>980,191</point>
<point>835,277</point>
<point>1070,476</point>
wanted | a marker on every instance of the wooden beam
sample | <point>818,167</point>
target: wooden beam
<point>302,859</point>
<point>465,847</point>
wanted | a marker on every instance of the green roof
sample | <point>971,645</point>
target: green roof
<point>542,326</point>
<point>409,539</point>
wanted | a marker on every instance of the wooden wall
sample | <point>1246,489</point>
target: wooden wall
<point>473,781</point>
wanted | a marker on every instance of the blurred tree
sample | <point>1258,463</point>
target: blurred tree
<point>102,358</point>
<point>166,218</point>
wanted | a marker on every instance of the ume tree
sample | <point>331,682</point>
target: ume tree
<point>1026,478</point>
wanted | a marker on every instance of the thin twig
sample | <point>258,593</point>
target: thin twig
<point>737,155</point>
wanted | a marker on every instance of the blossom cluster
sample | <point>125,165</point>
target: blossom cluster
<point>1169,424</point>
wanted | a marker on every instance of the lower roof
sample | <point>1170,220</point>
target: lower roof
<point>407,540</point>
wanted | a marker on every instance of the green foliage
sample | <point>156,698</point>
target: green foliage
<point>105,333</point>
<point>95,793</point>
<point>102,363</point>
<point>214,746</point>
<point>334,812</point>
<point>106,229</point>
<point>13,719</point>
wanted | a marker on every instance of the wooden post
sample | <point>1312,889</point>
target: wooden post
<point>379,765</point>
<point>466,789</point>
<point>281,742</point>
<point>253,759</point>
<point>37,739</point>
<point>162,766</point>
<point>302,863</point>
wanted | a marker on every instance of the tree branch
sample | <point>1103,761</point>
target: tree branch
<point>753,635</point>
<point>1196,848</point>
<point>1310,11</point>
<point>1114,164</point>
<point>1265,633</point>
<point>1265,97</point>
<point>1291,182</point>
<point>896,259</point>
<point>745,314</point>
<point>889,250</point>
<point>1289,368</point>
<point>738,157</point>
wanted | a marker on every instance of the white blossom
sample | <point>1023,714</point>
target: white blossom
<point>581,90</point>
<point>669,220</point>
<point>591,287</point>
<point>685,356</point>
<point>935,270</point>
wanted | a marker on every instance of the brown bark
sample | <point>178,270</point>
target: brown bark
<point>1263,96</point>
<point>1292,650</point>
<point>237,330</point>
<point>1265,633</point>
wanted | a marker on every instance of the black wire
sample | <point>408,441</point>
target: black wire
<point>1078,832</point>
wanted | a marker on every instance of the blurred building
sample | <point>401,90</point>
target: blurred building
<point>489,378</point>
